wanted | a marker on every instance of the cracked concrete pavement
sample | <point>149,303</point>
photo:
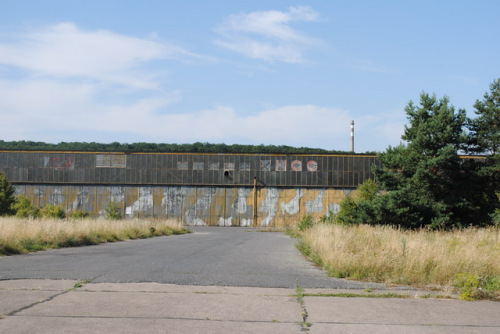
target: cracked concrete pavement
<point>57,306</point>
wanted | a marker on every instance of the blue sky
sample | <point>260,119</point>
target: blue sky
<point>234,72</point>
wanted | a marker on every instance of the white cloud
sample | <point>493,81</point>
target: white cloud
<point>65,51</point>
<point>54,112</point>
<point>79,85</point>
<point>268,35</point>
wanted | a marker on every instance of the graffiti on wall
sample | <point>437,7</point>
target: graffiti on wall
<point>198,165</point>
<point>281,165</point>
<point>297,166</point>
<point>59,163</point>
<point>265,165</point>
<point>192,205</point>
<point>312,166</point>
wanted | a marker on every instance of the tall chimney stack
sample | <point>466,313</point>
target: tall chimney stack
<point>352,136</point>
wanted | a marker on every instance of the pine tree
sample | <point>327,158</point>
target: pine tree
<point>484,138</point>
<point>485,128</point>
<point>425,180</point>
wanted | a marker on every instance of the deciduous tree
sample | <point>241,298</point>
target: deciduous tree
<point>7,197</point>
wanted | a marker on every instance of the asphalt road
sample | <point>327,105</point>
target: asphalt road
<point>223,256</point>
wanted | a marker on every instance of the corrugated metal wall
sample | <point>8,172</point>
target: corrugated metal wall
<point>199,189</point>
<point>324,171</point>
<point>213,206</point>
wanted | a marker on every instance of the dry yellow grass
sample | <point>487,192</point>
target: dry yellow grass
<point>385,254</point>
<point>25,235</point>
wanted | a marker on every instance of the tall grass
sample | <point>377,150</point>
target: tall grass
<point>388,255</point>
<point>19,235</point>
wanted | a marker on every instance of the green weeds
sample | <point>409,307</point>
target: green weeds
<point>473,287</point>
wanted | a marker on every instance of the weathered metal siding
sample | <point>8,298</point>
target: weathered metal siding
<point>322,171</point>
<point>199,189</point>
<point>213,206</point>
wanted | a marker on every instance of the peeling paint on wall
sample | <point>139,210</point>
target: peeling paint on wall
<point>145,200</point>
<point>333,207</point>
<point>246,222</point>
<point>116,194</point>
<point>215,206</point>
<point>225,221</point>
<point>269,206</point>
<point>82,199</point>
<point>241,206</point>
<point>316,205</point>
<point>292,207</point>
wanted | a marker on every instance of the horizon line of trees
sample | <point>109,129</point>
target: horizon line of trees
<point>144,147</point>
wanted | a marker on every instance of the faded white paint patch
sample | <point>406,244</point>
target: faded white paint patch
<point>334,208</point>
<point>145,200</point>
<point>82,199</point>
<point>18,190</point>
<point>198,222</point>
<point>292,207</point>
<point>316,205</point>
<point>172,201</point>
<point>57,196</point>
<point>225,221</point>
<point>194,214</point>
<point>245,222</point>
<point>241,203</point>
<point>116,194</point>
<point>269,205</point>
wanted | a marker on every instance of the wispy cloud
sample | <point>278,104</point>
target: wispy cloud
<point>54,112</point>
<point>65,51</point>
<point>268,35</point>
<point>66,84</point>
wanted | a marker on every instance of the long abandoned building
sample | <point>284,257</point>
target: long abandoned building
<point>199,189</point>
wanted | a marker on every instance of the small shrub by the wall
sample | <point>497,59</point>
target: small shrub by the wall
<point>305,223</point>
<point>78,214</point>
<point>52,211</point>
<point>112,212</point>
<point>24,209</point>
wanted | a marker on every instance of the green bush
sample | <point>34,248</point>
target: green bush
<point>305,223</point>
<point>330,218</point>
<point>52,211</point>
<point>112,212</point>
<point>495,216</point>
<point>348,211</point>
<point>78,214</point>
<point>24,209</point>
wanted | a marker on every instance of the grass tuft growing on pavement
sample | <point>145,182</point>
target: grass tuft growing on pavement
<point>18,235</point>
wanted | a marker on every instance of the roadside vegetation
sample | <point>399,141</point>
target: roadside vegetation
<point>24,235</point>
<point>429,217</point>
<point>25,228</point>
<point>467,260</point>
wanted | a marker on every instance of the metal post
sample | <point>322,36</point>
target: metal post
<point>352,136</point>
<point>254,201</point>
